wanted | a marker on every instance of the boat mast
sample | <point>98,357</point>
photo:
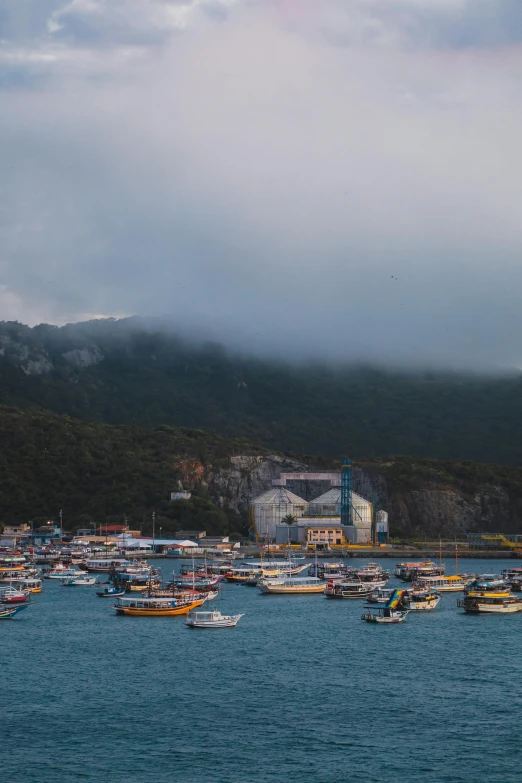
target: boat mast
<point>440,556</point>
<point>456,557</point>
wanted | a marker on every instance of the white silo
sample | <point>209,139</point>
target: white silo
<point>272,506</point>
<point>328,505</point>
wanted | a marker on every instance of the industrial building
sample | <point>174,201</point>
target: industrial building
<point>272,506</point>
<point>336,517</point>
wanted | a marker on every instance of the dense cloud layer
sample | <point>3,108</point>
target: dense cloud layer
<point>337,178</point>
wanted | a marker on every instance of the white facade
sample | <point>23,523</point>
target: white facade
<point>270,508</point>
<point>329,504</point>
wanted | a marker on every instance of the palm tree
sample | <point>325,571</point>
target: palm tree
<point>289,519</point>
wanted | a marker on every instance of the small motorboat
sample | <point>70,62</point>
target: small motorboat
<point>385,615</point>
<point>10,595</point>
<point>80,581</point>
<point>212,620</point>
<point>6,612</point>
<point>110,592</point>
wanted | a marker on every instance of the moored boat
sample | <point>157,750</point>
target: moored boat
<point>291,585</point>
<point>156,607</point>
<point>444,584</point>
<point>212,620</point>
<point>110,592</point>
<point>420,599</point>
<point>385,615</point>
<point>352,588</point>
<point>79,581</point>
<point>7,612</point>
<point>490,602</point>
<point>10,595</point>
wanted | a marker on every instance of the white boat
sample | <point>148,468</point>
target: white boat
<point>291,585</point>
<point>385,615</point>
<point>60,572</point>
<point>79,581</point>
<point>381,595</point>
<point>444,584</point>
<point>491,602</point>
<point>212,620</point>
<point>106,565</point>
<point>352,588</point>
<point>420,599</point>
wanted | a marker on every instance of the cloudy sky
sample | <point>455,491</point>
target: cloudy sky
<point>331,177</point>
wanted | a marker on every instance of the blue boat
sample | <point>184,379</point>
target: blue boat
<point>110,592</point>
<point>6,612</point>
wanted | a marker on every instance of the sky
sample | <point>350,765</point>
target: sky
<point>332,178</point>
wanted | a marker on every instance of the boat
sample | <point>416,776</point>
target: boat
<point>62,572</point>
<point>409,572</point>
<point>110,592</point>
<point>291,585</point>
<point>244,574</point>
<point>327,570</point>
<point>156,607</point>
<point>513,576</point>
<point>385,615</point>
<point>487,583</point>
<point>286,567</point>
<point>10,595</point>
<point>6,612</point>
<point>31,585</point>
<point>491,602</point>
<point>83,581</point>
<point>391,613</point>
<point>352,588</point>
<point>380,596</point>
<point>105,565</point>
<point>371,572</point>
<point>211,620</point>
<point>444,584</point>
<point>420,599</point>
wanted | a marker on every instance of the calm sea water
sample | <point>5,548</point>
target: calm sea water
<point>301,690</point>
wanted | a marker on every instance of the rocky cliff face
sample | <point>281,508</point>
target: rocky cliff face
<point>425,507</point>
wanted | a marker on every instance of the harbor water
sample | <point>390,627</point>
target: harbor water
<point>300,691</point>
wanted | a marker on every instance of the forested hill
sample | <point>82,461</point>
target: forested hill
<point>99,473</point>
<point>130,372</point>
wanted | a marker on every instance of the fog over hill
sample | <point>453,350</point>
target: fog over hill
<point>134,371</point>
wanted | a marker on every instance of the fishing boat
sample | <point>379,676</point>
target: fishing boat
<point>6,612</point>
<point>212,620</point>
<point>385,615</point>
<point>391,613</point>
<point>291,585</point>
<point>10,595</point>
<point>110,592</point>
<point>156,607</point>
<point>79,581</point>
<point>352,588</point>
<point>491,602</point>
<point>420,599</point>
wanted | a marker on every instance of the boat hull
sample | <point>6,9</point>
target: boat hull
<point>171,611</point>
<point>281,590</point>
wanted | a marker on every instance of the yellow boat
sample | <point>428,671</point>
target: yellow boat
<point>444,584</point>
<point>155,607</point>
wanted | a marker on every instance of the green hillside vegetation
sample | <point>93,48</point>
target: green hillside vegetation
<point>149,377</point>
<point>102,473</point>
